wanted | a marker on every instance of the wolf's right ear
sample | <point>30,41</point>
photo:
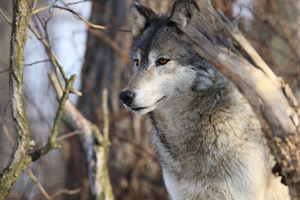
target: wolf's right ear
<point>140,18</point>
<point>183,10</point>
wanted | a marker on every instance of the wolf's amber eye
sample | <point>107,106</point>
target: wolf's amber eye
<point>136,62</point>
<point>162,61</point>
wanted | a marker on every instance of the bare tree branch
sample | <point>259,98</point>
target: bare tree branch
<point>11,141</point>
<point>65,136</point>
<point>65,191</point>
<point>105,115</point>
<point>19,158</point>
<point>39,10</point>
<point>52,15</point>
<point>54,58</point>
<point>112,43</point>
<point>44,192</point>
<point>33,6</point>
<point>5,17</point>
<point>76,2</point>
<point>51,144</point>
<point>33,177</point>
<point>95,146</point>
<point>6,70</point>
<point>41,61</point>
<point>91,25</point>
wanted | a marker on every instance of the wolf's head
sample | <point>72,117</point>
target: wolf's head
<point>165,69</point>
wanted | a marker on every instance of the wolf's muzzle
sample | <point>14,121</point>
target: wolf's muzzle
<point>127,97</point>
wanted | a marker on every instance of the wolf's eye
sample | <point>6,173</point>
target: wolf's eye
<point>136,62</point>
<point>162,61</point>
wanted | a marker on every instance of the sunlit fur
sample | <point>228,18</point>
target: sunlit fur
<point>209,142</point>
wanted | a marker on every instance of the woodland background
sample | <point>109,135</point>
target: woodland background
<point>100,58</point>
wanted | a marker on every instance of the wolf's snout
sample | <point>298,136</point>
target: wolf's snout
<point>127,97</point>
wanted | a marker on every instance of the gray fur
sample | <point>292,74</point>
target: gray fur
<point>209,142</point>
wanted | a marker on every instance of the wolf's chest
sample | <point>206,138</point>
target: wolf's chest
<point>195,190</point>
<point>194,143</point>
<point>205,157</point>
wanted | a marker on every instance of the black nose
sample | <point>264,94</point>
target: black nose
<point>127,97</point>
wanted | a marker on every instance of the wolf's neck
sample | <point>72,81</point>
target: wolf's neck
<point>195,105</point>
<point>200,130</point>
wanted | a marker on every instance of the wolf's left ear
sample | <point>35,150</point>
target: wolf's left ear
<point>183,10</point>
<point>140,18</point>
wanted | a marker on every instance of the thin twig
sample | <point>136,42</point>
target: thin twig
<point>78,2</point>
<point>111,42</point>
<point>52,15</point>
<point>105,114</point>
<point>11,141</point>
<point>15,196</point>
<point>33,177</point>
<point>95,147</point>
<point>51,144</point>
<point>47,45</point>
<point>41,61</point>
<point>82,18</point>
<point>94,26</point>
<point>5,17</point>
<point>4,63</point>
<point>34,4</point>
<point>65,136</point>
<point>65,191</point>
<point>8,20</point>
<point>54,58</point>
<point>6,70</point>
<point>40,9</point>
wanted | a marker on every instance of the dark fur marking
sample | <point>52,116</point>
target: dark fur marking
<point>161,136</point>
<point>173,24</point>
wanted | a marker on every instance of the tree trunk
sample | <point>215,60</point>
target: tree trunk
<point>134,171</point>
<point>19,159</point>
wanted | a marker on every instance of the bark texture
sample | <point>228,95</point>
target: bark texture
<point>19,159</point>
<point>95,145</point>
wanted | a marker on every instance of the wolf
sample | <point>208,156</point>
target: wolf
<point>209,142</point>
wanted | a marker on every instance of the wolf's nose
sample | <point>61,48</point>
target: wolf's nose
<point>127,97</point>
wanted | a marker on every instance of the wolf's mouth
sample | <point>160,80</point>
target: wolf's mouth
<point>138,108</point>
<point>141,108</point>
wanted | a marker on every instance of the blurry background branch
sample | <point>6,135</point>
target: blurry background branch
<point>96,145</point>
<point>91,25</point>
<point>5,17</point>
<point>54,60</point>
<point>44,192</point>
<point>33,177</point>
<point>271,99</point>
<point>11,141</point>
<point>51,144</point>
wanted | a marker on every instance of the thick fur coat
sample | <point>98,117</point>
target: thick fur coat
<point>207,137</point>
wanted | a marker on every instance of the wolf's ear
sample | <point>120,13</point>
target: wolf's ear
<point>183,10</point>
<point>140,18</point>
